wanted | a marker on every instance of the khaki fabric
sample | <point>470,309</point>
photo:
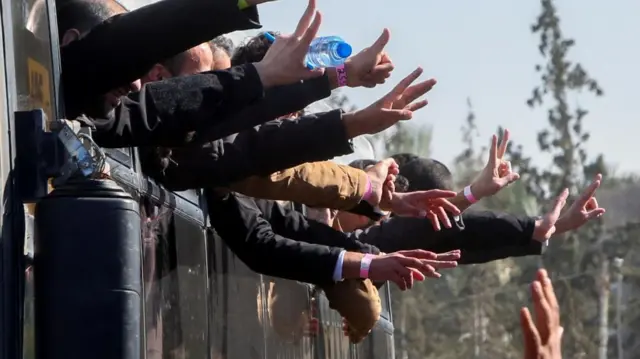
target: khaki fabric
<point>314,184</point>
<point>288,308</point>
<point>358,302</point>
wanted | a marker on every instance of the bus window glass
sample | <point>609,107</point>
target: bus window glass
<point>236,305</point>
<point>175,285</point>
<point>289,328</point>
<point>32,56</point>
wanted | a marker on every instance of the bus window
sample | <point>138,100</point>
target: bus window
<point>236,305</point>
<point>34,81</point>
<point>289,328</point>
<point>175,285</point>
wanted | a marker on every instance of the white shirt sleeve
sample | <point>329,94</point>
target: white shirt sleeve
<point>337,271</point>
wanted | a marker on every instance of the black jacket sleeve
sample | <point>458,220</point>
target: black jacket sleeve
<point>295,225</point>
<point>242,226</point>
<point>261,151</point>
<point>125,47</point>
<point>481,236</point>
<point>277,102</point>
<point>164,112</point>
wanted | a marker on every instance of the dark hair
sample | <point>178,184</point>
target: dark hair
<point>426,174</point>
<point>84,15</point>
<point>222,43</point>
<point>403,158</point>
<point>401,183</point>
<point>253,50</point>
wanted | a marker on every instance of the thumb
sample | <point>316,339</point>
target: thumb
<point>382,41</point>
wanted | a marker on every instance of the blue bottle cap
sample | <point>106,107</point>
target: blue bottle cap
<point>344,50</point>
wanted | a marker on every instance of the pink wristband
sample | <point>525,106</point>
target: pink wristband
<point>369,191</point>
<point>342,75</point>
<point>365,264</point>
<point>469,196</point>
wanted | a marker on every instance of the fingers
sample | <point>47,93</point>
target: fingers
<point>508,179</point>
<point>416,105</point>
<point>437,193</point>
<point>417,254</point>
<point>305,20</point>
<point>560,201</point>
<point>542,310</point>
<point>416,91</point>
<point>310,32</point>
<point>447,206</point>
<point>438,264</point>
<point>402,85</point>
<point>433,218</point>
<point>598,212</point>
<point>550,295</point>
<point>588,193</point>
<point>382,41</point>
<point>444,218</point>
<point>493,152</point>
<point>502,149</point>
<point>531,336</point>
<point>449,256</point>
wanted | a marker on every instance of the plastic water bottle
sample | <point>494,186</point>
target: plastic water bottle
<point>327,51</point>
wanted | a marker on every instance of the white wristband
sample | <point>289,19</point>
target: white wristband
<point>337,271</point>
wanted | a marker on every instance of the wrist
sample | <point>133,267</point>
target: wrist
<point>332,76</point>
<point>265,76</point>
<point>352,124</point>
<point>476,191</point>
<point>539,233</point>
<point>351,265</point>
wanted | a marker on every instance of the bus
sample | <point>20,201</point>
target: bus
<point>196,299</point>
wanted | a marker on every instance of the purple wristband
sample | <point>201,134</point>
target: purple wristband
<point>341,72</point>
<point>369,191</point>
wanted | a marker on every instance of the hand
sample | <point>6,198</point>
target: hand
<point>584,209</point>
<point>403,267</point>
<point>283,63</point>
<point>381,177</point>
<point>430,204</point>
<point>546,226</point>
<point>382,114</point>
<point>370,66</point>
<point>542,339</point>
<point>497,173</point>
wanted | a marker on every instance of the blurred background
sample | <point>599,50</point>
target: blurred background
<point>562,76</point>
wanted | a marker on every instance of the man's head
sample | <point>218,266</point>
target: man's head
<point>75,20</point>
<point>222,49</point>
<point>426,174</point>
<point>403,158</point>
<point>195,60</point>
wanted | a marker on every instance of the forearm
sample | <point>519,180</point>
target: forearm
<point>316,184</point>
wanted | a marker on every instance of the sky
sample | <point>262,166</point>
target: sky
<point>485,51</point>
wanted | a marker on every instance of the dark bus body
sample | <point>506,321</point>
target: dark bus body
<point>198,299</point>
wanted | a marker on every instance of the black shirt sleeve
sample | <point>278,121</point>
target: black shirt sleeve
<point>242,226</point>
<point>275,146</point>
<point>295,225</point>
<point>164,112</point>
<point>481,236</point>
<point>277,102</point>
